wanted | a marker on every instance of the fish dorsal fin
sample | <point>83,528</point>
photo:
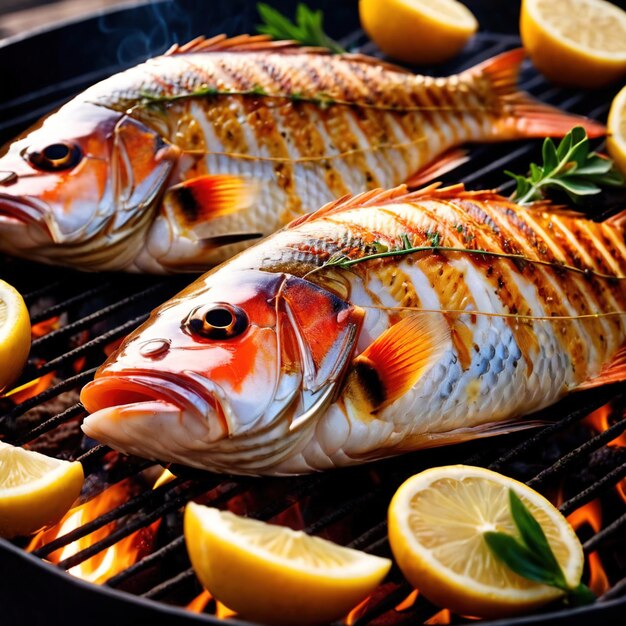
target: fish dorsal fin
<point>395,361</point>
<point>613,372</point>
<point>241,43</point>
<point>380,197</point>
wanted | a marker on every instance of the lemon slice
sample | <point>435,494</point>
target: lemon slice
<point>616,139</point>
<point>581,43</point>
<point>276,575</point>
<point>418,31</point>
<point>14,334</point>
<point>35,490</point>
<point>436,523</point>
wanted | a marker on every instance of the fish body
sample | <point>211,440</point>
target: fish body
<point>380,324</point>
<point>180,162</point>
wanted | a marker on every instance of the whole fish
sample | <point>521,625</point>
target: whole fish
<point>175,164</point>
<point>382,323</point>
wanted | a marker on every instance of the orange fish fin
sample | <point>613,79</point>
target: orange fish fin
<point>198,200</point>
<point>241,43</point>
<point>395,361</point>
<point>444,163</point>
<point>613,372</point>
<point>521,115</point>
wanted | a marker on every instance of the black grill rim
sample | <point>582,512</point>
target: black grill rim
<point>18,566</point>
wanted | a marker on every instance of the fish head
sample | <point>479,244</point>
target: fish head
<point>228,375</point>
<point>83,175</point>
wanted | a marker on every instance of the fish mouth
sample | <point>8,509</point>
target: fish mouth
<point>21,210</point>
<point>134,412</point>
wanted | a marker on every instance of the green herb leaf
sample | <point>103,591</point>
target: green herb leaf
<point>569,167</point>
<point>307,29</point>
<point>530,554</point>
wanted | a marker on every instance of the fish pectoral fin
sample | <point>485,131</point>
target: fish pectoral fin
<point>195,202</point>
<point>444,163</point>
<point>396,360</point>
<point>612,372</point>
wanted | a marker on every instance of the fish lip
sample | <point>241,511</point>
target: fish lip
<point>22,210</point>
<point>134,387</point>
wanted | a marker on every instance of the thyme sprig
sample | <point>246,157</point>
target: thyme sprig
<point>530,554</point>
<point>307,28</point>
<point>569,167</point>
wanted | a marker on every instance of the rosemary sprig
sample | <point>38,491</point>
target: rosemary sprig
<point>570,168</point>
<point>531,556</point>
<point>307,28</point>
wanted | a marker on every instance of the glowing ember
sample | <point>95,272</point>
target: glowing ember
<point>43,328</point>
<point>109,561</point>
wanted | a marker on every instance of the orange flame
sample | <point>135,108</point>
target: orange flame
<point>409,601</point>
<point>198,604</point>
<point>356,612</point>
<point>443,617</point>
<point>592,514</point>
<point>109,561</point>
<point>599,420</point>
<point>31,388</point>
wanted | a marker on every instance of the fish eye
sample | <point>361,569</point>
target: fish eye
<point>55,157</point>
<point>219,321</point>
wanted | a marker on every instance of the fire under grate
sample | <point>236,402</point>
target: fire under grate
<point>577,461</point>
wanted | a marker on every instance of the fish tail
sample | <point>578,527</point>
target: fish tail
<point>519,114</point>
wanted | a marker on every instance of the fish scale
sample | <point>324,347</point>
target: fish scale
<point>370,356</point>
<point>222,141</point>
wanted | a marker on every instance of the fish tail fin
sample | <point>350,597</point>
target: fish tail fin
<point>519,114</point>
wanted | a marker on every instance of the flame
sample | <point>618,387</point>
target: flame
<point>199,603</point>
<point>109,561</point>
<point>409,601</point>
<point>443,617</point>
<point>31,388</point>
<point>47,326</point>
<point>356,612</point>
<point>592,514</point>
<point>599,420</point>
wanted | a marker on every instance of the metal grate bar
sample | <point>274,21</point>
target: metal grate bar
<point>30,296</point>
<point>574,416</point>
<point>61,307</point>
<point>170,584</point>
<point>87,320</point>
<point>131,506</point>
<point>605,534</point>
<point>146,562</point>
<point>131,527</point>
<point>69,413</point>
<point>578,454</point>
<point>98,341</point>
<point>48,394</point>
<point>591,492</point>
<point>617,590</point>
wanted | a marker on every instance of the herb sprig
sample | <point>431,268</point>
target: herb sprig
<point>569,167</point>
<point>307,28</point>
<point>530,554</point>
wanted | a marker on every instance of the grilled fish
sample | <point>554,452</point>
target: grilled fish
<point>382,323</point>
<point>179,162</point>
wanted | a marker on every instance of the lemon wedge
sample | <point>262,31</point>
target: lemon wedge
<point>616,138</point>
<point>436,523</point>
<point>581,43</point>
<point>273,574</point>
<point>418,31</point>
<point>35,489</point>
<point>14,334</point>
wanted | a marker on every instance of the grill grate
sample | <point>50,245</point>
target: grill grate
<point>350,505</point>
